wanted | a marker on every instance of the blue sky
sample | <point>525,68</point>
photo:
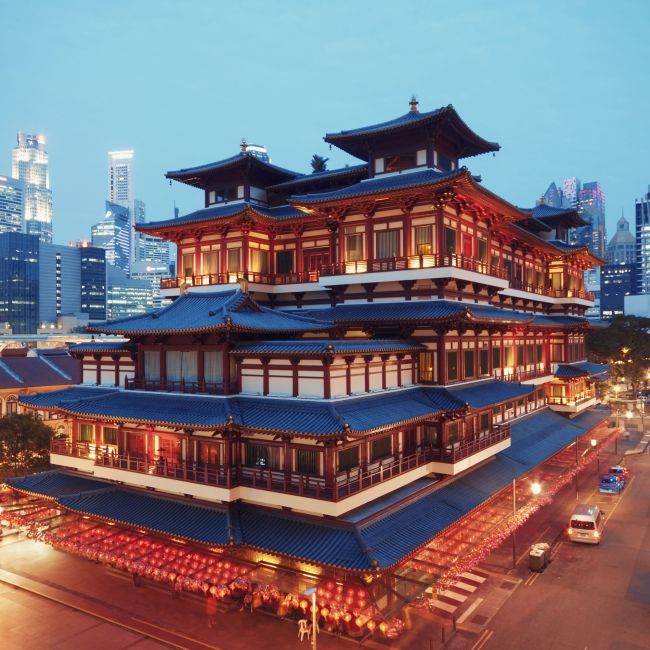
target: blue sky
<point>562,86</point>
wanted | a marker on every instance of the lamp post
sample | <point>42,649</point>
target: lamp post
<point>577,438</point>
<point>514,512</point>
<point>594,446</point>
<point>314,623</point>
<point>535,488</point>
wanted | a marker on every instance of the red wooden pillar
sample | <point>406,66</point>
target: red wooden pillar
<point>400,358</point>
<point>139,363</point>
<point>98,368</point>
<point>200,368</point>
<point>348,375</point>
<point>294,377</point>
<point>238,379</point>
<point>367,360</point>
<point>116,361</point>
<point>163,367</point>
<point>265,375</point>
<point>384,358</point>
<point>197,258</point>
<point>327,381</point>
<point>370,241</point>
<point>329,460</point>
<point>440,233</point>
<point>442,371</point>
<point>342,256</point>
<point>414,362</point>
<point>407,233</point>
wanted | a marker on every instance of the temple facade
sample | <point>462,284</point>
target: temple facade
<point>341,347</point>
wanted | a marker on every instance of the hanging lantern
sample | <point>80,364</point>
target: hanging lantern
<point>371,625</point>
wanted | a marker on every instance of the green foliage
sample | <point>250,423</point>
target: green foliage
<point>24,445</point>
<point>625,345</point>
<point>318,163</point>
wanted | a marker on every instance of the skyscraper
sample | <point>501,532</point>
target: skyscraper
<point>72,282</point>
<point>11,205</point>
<point>113,234</point>
<point>621,248</point>
<point>642,218</point>
<point>19,281</point>
<point>29,164</point>
<point>120,178</point>
<point>591,207</point>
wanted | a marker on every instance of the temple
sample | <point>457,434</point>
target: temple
<point>344,352</point>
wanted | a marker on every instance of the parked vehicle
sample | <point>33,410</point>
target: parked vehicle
<point>620,471</point>
<point>610,484</point>
<point>586,524</point>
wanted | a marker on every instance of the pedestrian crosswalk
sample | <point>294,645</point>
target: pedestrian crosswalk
<point>451,598</point>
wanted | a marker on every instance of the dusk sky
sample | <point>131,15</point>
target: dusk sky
<point>561,85</point>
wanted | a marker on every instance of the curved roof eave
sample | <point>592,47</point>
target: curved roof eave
<point>413,120</point>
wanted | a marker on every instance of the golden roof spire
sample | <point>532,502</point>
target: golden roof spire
<point>413,104</point>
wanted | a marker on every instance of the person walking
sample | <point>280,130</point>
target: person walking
<point>211,610</point>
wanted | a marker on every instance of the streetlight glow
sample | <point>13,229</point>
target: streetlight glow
<point>536,488</point>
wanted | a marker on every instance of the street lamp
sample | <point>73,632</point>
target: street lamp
<point>535,488</point>
<point>314,623</point>
<point>594,445</point>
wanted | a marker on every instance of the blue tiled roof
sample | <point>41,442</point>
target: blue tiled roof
<point>581,369</point>
<point>201,523</point>
<point>55,484</point>
<point>386,537</point>
<point>232,161</point>
<point>547,212</point>
<point>534,439</point>
<point>301,537</point>
<point>380,185</point>
<point>212,213</point>
<point>446,117</point>
<point>549,321</point>
<point>225,211</point>
<point>415,310</point>
<point>98,346</point>
<point>351,170</point>
<point>209,312</point>
<point>295,416</point>
<point>490,392</point>
<point>55,398</point>
<point>310,346</point>
<point>563,246</point>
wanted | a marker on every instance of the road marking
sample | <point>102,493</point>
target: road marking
<point>621,495</point>
<point>531,578</point>
<point>178,634</point>
<point>469,610</point>
<point>483,639</point>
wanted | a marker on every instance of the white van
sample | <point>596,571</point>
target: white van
<point>586,525</point>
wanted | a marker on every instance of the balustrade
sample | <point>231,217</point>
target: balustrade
<point>344,484</point>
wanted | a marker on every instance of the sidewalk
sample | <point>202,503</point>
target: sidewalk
<point>148,610</point>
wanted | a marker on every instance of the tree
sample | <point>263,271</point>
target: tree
<point>625,346</point>
<point>318,163</point>
<point>24,444</point>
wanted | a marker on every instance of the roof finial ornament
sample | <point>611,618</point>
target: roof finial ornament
<point>243,145</point>
<point>542,200</point>
<point>413,104</point>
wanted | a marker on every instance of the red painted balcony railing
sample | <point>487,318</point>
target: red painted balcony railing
<point>509,374</point>
<point>171,386</point>
<point>344,485</point>
<point>411,263</point>
<point>234,277</point>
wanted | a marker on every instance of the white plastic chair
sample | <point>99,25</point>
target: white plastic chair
<point>304,627</point>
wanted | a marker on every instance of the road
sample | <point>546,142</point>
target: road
<point>590,597</point>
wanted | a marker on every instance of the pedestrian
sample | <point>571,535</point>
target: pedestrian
<point>211,611</point>
<point>247,602</point>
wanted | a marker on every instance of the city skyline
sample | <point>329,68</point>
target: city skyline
<point>569,103</point>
